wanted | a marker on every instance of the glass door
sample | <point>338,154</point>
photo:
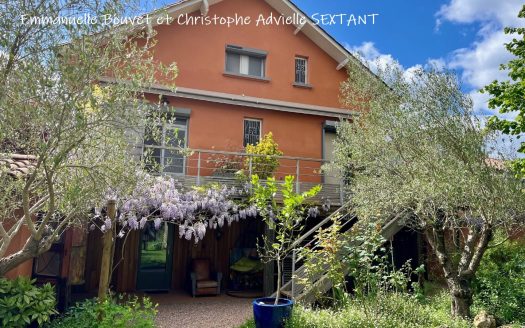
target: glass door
<point>173,161</point>
<point>155,257</point>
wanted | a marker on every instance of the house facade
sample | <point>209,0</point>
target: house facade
<point>235,85</point>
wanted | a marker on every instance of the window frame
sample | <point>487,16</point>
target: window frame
<point>174,126</point>
<point>260,121</point>
<point>169,126</point>
<point>244,61</point>
<point>306,79</point>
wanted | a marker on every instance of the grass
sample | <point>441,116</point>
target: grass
<point>248,324</point>
<point>387,311</point>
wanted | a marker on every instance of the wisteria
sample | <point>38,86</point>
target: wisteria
<point>162,199</point>
<point>159,199</point>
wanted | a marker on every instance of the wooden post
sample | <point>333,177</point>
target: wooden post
<point>107,253</point>
<point>294,258</point>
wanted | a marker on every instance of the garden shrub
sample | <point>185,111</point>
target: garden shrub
<point>112,313</point>
<point>325,258</point>
<point>360,254</point>
<point>499,286</point>
<point>263,166</point>
<point>22,303</point>
<point>387,310</point>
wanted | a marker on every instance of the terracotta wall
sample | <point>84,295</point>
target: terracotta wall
<point>26,268</point>
<point>215,126</point>
<point>220,127</point>
<point>199,52</point>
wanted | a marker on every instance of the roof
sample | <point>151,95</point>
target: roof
<point>496,163</point>
<point>18,165</point>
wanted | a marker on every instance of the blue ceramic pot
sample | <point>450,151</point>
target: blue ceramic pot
<point>268,315</point>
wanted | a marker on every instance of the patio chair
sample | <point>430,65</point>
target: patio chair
<point>203,281</point>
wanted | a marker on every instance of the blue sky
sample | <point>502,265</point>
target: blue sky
<point>463,35</point>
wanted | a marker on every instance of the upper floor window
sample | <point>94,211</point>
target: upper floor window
<point>245,61</point>
<point>301,70</point>
<point>162,147</point>
<point>252,132</point>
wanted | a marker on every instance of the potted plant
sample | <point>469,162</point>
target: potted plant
<point>286,219</point>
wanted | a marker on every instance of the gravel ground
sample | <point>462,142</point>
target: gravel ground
<point>180,310</point>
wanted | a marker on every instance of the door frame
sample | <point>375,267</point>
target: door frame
<point>144,283</point>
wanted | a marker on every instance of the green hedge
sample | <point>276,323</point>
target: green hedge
<point>499,287</point>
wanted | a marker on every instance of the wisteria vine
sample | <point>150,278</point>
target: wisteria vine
<point>162,199</point>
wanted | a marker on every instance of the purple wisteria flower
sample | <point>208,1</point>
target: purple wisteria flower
<point>162,199</point>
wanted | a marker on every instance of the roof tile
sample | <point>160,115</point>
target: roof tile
<point>18,164</point>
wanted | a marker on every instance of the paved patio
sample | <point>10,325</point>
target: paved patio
<point>180,310</point>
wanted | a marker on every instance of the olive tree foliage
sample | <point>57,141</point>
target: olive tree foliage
<point>509,96</point>
<point>52,107</point>
<point>417,152</point>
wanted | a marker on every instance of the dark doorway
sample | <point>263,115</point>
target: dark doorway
<point>406,247</point>
<point>155,258</point>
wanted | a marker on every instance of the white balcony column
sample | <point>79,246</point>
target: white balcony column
<point>297,172</point>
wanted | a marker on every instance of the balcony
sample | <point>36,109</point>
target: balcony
<point>198,167</point>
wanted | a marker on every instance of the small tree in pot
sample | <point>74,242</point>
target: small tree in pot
<point>286,218</point>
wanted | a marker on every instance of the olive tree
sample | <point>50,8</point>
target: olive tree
<point>509,96</point>
<point>52,107</point>
<point>416,151</point>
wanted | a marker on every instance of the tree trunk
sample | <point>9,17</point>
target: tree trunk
<point>461,296</point>
<point>459,287</point>
<point>107,254</point>
<point>30,250</point>
<point>278,293</point>
<point>460,306</point>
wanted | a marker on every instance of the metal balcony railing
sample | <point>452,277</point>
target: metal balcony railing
<point>195,167</point>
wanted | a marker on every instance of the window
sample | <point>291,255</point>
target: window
<point>163,152</point>
<point>49,264</point>
<point>244,61</point>
<point>252,132</point>
<point>301,70</point>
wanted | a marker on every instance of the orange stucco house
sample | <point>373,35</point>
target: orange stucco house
<point>236,83</point>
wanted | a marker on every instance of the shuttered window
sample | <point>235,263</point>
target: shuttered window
<point>244,61</point>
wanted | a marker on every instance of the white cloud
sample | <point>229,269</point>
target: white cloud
<point>480,101</point>
<point>437,63</point>
<point>377,60</point>
<point>489,11</point>
<point>479,63</point>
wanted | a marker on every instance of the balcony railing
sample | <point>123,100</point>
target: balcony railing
<point>195,167</point>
